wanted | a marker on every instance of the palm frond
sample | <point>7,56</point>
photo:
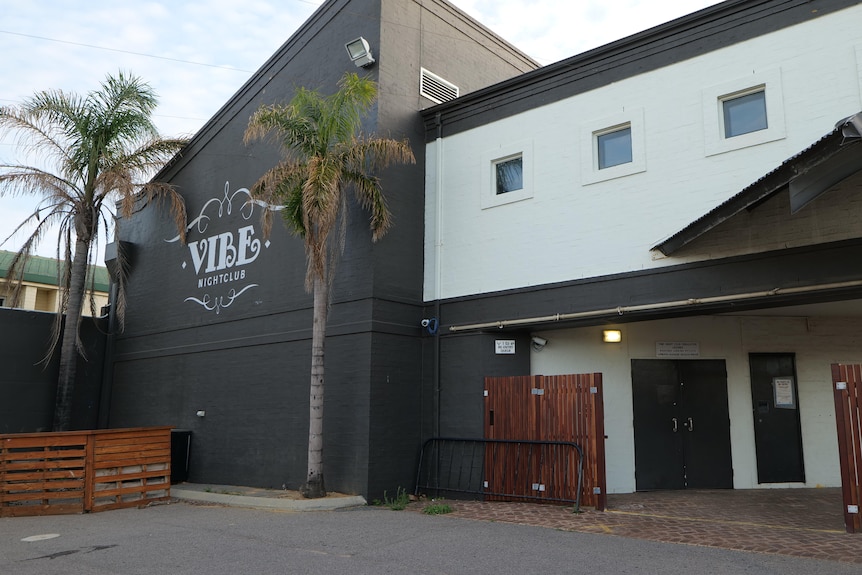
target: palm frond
<point>282,185</point>
<point>370,196</point>
<point>31,181</point>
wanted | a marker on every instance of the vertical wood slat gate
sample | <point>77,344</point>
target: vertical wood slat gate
<point>547,408</point>
<point>847,387</point>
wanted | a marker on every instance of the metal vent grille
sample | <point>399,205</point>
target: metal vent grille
<point>436,88</point>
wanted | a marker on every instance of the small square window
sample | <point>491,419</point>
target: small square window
<point>747,111</point>
<point>614,148</point>
<point>509,175</point>
<point>744,114</point>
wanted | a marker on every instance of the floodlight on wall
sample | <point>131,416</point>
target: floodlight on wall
<point>539,343</point>
<point>612,336</point>
<point>360,52</point>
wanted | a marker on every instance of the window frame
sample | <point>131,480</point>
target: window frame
<point>491,158</point>
<point>726,99</point>
<point>713,98</point>
<point>497,163</point>
<point>615,130</point>
<point>632,119</point>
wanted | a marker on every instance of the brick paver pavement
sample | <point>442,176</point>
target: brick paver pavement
<point>798,522</point>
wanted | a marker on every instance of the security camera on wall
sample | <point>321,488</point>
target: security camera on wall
<point>539,343</point>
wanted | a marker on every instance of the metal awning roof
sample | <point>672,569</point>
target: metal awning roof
<point>806,175</point>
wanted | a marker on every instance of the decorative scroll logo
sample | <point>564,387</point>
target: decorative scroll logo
<point>219,259</point>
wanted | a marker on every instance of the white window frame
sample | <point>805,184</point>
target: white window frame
<point>490,158</point>
<point>730,97</point>
<point>609,131</point>
<point>767,81</point>
<point>590,132</point>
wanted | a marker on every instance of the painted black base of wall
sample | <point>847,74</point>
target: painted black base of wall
<point>28,386</point>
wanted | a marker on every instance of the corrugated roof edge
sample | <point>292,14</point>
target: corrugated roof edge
<point>770,183</point>
<point>40,269</point>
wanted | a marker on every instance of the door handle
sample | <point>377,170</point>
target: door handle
<point>675,424</point>
<point>690,425</point>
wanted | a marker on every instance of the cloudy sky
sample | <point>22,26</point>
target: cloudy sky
<point>197,53</point>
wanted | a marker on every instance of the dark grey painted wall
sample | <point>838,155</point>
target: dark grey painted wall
<point>468,360</point>
<point>246,362</point>
<point>28,387</point>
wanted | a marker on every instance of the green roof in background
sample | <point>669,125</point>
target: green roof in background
<point>44,271</point>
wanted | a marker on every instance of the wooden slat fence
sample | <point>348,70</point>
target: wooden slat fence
<point>83,471</point>
<point>847,387</point>
<point>547,408</point>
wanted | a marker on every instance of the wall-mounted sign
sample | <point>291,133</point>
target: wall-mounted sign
<point>222,241</point>
<point>784,394</point>
<point>677,349</point>
<point>504,346</point>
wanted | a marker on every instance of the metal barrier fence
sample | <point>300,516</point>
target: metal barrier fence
<point>502,469</point>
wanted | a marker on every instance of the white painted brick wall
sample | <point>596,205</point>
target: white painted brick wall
<point>569,231</point>
<point>817,342</point>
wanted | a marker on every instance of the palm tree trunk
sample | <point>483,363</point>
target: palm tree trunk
<point>314,486</point>
<point>69,347</point>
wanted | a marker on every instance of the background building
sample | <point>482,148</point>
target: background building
<point>39,289</point>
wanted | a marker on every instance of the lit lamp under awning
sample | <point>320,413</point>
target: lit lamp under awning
<point>612,336</point>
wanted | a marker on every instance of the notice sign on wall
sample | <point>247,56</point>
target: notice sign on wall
<point>677,349</point>
<point>784,396</point>
<point>504,346</point>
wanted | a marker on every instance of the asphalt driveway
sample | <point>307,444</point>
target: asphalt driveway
<point>181,538</point>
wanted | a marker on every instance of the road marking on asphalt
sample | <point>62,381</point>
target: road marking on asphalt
<point>41,537</point>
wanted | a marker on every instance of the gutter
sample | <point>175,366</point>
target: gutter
<point>676,304</point>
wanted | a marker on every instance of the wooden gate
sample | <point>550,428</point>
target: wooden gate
<point>847,387</point>
<point>548,408</point>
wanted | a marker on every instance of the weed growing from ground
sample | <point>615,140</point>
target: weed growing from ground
<point>437,509</point>
<point>399,502</point>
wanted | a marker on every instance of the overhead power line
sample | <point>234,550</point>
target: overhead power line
<point>124,51</point>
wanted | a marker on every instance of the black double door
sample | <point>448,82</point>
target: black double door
<point>681,424</point>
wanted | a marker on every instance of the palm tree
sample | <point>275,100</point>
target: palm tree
<point>324,156</point>
<point>97,149</point>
